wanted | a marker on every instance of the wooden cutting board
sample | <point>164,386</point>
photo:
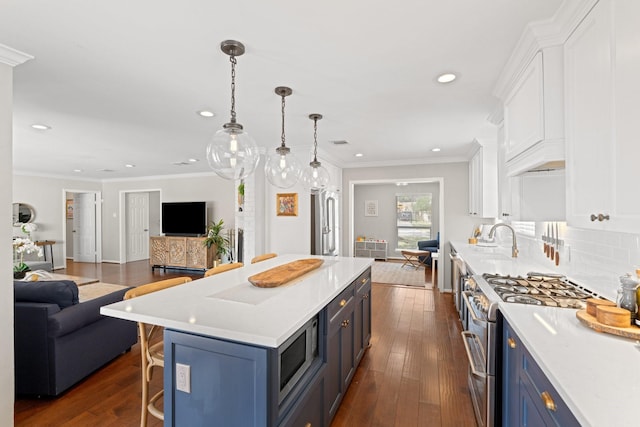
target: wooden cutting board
<point>284,273</point>
<point>632,332</point>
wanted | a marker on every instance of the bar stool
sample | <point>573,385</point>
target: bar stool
<point>151,354</point>
<point>222,268</point>
<point>263,257</point>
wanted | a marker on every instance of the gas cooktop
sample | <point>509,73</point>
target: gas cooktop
<point>539,289</point>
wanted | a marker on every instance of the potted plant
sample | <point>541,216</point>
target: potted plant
<point>240,196</point>
<point>20,247</point>
<point>215,238</point>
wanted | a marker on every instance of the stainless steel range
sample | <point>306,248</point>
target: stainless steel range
<point>481,338</point>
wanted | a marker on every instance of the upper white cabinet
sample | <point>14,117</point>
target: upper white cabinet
<point>533,115</point>
<point>483,181</point>
<point>602,72</point>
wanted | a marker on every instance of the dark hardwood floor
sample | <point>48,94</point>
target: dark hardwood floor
<point>414,373</point>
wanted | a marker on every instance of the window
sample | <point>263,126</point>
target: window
<point>413,219</point>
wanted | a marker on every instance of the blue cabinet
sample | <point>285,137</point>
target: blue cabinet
<point>362,328</point>
<point>528,398</point>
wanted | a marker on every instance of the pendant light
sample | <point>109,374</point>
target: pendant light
<point>232,153</point>
<point>315,178</point>
<point>282,168</point>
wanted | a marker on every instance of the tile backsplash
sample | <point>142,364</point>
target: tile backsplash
<point>593,258</point>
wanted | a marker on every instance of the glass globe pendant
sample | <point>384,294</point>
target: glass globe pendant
<point>315,178</point>
<point>232,153</point>
<point>282,168</point>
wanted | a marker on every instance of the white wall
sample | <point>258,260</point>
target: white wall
<point>457,223</point>
<point>384,226</point>
<point>6,291</point>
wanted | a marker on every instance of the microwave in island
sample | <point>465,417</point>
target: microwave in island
<point>296,355</point>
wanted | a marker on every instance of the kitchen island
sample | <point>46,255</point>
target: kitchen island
<point>229,333</point>
<point>596,375</point>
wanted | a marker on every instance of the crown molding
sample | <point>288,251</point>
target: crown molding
<point>539,35</point>
<point>13,57</point>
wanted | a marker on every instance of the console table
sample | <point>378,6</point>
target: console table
<point>371,249</point>
<point>180,252</point>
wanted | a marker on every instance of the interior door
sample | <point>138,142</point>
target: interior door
<point>84,227</point>
<point>137,226</point>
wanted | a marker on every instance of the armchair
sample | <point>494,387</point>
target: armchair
<point>431,246</point>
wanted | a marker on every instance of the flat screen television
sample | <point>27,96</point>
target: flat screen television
<point>184,218</point>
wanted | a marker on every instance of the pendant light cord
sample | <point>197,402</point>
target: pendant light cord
<point>282,137</point>
<point>233,61</point>
<point>315,139</point>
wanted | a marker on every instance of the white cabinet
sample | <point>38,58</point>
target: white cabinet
<point>603,118</point>
<point>533,115</point>
<point>371,249</point>
<point>483,181</point>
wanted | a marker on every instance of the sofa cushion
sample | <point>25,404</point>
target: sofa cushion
<point>64,293</point>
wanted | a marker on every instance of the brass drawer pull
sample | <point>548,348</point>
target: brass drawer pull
<point>365,296</point>
<point>307,425</point>
<point>345,323</point>
<point>364,280</point>
<point>511,342</point>
<point>343,303</point>
<point>548,401</point>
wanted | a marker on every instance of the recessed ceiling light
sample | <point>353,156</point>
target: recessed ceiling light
<point>359,154</point>
<point>435,150</point>
<point>206,113</point>
<point>39,126</point>
<point>446,78</point>
<point>129,165</point>
<point>193,160</point>
<point>401,184</point>
<point>340,142</point>
<point>77,170</point>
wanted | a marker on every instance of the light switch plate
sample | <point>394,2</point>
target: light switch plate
<point>183,377</point>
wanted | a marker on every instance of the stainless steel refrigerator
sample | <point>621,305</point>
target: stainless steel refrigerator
<point>325,223</point>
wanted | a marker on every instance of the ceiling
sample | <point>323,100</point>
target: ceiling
<point>120,82</point>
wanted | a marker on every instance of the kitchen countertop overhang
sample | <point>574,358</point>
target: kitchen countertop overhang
<point>227,306</point>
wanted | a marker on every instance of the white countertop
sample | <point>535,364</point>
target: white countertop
<point>227,306</point>
<point>596,374</point>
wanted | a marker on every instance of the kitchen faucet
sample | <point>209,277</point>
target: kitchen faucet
<point>514,247</point>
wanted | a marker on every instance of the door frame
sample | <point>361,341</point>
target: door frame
<point>98,214</point>
<point>122,221</point>
<point>437,180</point>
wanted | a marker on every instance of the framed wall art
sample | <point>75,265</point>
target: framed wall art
<point>287,204</point>
<point>370,208</point>
<point>69,208</point>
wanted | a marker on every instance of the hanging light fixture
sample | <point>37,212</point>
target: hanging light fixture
<point>232,153</point>
<point>282,168</point>
<point>315,177</point>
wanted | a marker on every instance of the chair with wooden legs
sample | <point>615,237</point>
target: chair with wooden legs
<point>152,354</point>
<point>222,268</point>
<point>263,257</point>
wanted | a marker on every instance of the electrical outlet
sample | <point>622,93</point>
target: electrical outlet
<point>183,377</point>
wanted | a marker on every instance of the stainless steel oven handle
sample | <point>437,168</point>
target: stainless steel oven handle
<point>475,318</point>
<point>466,335</point>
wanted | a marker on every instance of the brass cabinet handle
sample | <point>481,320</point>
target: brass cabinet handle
<point>308,425</point>
<point>511,342</point>
<point>343,303</point>
<point>548,401</point>
<point>600,217</point>
<point>364,280</point>
<point>365,296</point>
<point>345,323</point>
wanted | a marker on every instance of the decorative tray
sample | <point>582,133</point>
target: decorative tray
<point>284,273</point>
<point>632,332</point>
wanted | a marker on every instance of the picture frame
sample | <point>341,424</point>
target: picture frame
<point>287,204</point>
<point>69,208</point>
<point>370,208</point>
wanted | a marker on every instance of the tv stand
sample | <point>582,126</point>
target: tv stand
<point>180,252</point>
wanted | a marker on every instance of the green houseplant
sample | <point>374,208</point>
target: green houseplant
<point>215,237</point>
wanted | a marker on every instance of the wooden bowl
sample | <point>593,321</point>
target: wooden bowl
<point>592,303</point>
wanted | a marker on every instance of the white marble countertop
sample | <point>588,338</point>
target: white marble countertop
<point>227,306</point>
<point>596,374</point>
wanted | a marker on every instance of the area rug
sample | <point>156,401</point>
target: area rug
<point>95,290</point>
<point>393,273</point>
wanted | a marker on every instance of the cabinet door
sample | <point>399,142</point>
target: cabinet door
<point>483,182</point>
<point>309,411</point>
<point>511,360</point>
<point>158,255</point>
<point>524,110</point>
<point>196,253</point>
<point>362,327</point>
<point>177,251</point>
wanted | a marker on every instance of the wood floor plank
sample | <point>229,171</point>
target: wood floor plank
<point>414,373</point>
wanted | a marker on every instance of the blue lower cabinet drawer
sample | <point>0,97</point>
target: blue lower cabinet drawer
<point>309,410</point>
<point>544,394</point>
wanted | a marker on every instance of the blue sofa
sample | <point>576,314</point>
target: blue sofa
<point>431,246</point>
<point>58,341</point>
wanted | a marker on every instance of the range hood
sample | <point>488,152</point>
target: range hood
<point>544,156</point>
